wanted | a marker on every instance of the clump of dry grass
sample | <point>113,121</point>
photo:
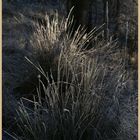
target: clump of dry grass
<point>78,90</point>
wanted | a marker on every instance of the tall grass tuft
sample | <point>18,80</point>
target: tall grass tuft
<point>78,90</point>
